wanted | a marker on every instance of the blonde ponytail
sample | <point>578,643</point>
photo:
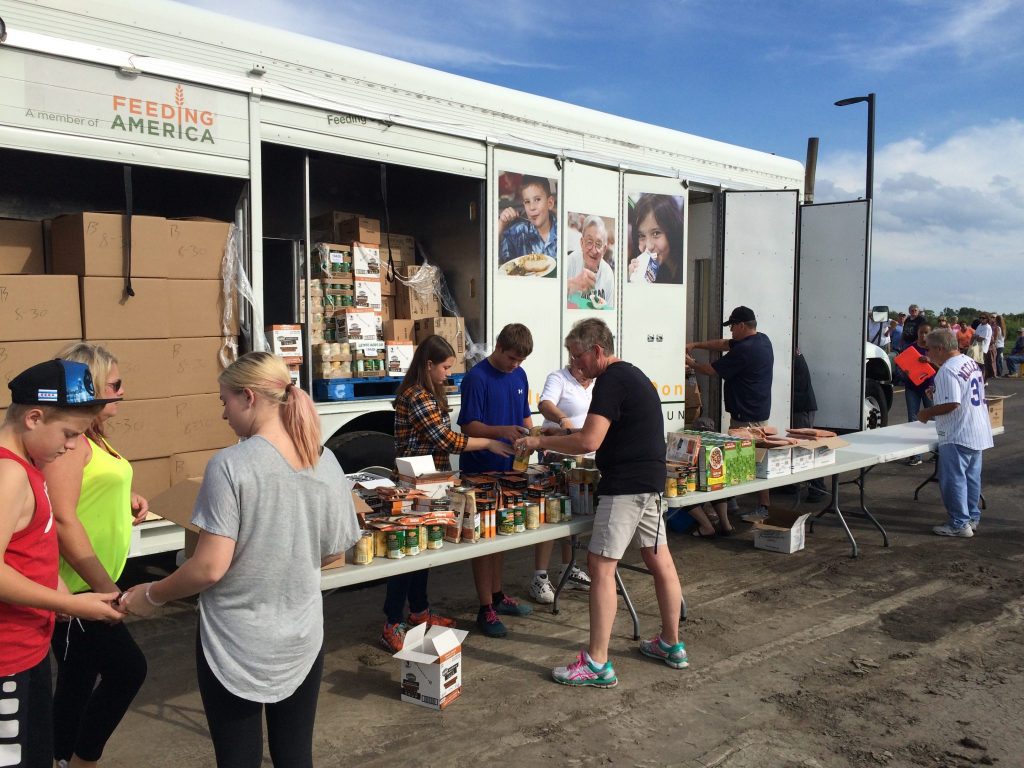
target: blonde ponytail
<point>268,377</point>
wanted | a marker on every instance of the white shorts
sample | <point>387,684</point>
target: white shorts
<point>620,520</point>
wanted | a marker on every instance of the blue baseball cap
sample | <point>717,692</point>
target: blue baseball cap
<point>60,383</point>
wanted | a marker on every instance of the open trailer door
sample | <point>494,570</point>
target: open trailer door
<point>759,271</point>
<point>833,294</point>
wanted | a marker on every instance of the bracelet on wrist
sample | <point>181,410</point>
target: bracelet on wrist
<point>150,600</point>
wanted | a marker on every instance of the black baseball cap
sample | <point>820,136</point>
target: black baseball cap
<point>60,383</point>
<point>740,315</point>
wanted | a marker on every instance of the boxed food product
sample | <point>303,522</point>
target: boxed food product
<point>802,457</point>
<point>197,248</point>
<point>141,429</point>
<point>358,228</point>
<point>21,247</point>
<point>195,365</point>
<point>197,308</point>
<point>399,357</point>
<point>190,464</point>
<point>16,356</point>
<point>711,468</point>
<point>332,260</point>
<point>92,245</point>
<point>108,313</point>
<point>430,665</point>
<point>144,365</point>
<point>782,531</point>
<point>399,330</point>
<point>39,307</point>
<point>286,341</point>
<point>366,260</point>
<point>774,462</point>
<point>411,304</point>
<point>198,424</point>
<point>363,328</point>
<point>451,329</point>
<point>367,294</point>
<point>406,242</point>
<point>744,466</point>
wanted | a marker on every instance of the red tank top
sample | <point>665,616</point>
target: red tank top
<point>25,632</point>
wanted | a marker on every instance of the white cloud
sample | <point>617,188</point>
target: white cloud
<point>981,33</point>
<point>949,216</point>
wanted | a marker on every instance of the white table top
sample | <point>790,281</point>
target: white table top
<point>382,567</point>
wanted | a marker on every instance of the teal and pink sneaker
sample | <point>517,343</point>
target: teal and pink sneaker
<point>673,655</point>
<point>585,671</point>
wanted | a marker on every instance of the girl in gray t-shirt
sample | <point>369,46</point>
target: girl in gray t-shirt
<point>273,509</point>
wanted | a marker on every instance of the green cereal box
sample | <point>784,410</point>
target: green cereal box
<point>745,464</point>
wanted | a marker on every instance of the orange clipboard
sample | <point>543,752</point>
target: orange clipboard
<point>909,361</point>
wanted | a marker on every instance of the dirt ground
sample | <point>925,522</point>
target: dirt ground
<point>910,655</point>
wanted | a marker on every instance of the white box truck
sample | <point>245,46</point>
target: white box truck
<point>167,110</point>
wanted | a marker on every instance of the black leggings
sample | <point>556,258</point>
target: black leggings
<point>85,714</point>
<point>25,729</point>
<point>236,724</point>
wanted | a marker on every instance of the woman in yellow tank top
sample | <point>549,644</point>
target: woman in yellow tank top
<point>95,508</point>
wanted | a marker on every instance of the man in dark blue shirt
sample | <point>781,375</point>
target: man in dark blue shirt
<point>747,373</point>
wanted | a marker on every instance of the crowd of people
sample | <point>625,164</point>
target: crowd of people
<point>983,338</point>
<point>275,508</point>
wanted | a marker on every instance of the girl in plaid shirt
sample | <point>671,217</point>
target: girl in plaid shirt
<point>423,426</point>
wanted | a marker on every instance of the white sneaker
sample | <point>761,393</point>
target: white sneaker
<point>761,513</point>
<point>578,579</point>
<point>541,591</point>
<point>946,530</point>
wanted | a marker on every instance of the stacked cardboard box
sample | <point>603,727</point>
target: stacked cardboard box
<point>167,337</point>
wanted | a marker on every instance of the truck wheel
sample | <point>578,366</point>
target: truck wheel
<point>363,448</point>
<point>876,405</point>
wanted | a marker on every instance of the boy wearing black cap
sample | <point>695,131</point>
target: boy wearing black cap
<point>747,373</point>
<point>53,403</point>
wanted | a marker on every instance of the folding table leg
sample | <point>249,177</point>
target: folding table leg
<point>573,542</point>
<point>833,506</point>
<point>863,507</point>
<point>629,604</point>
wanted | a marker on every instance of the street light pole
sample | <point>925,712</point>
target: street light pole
<point>869,186</point>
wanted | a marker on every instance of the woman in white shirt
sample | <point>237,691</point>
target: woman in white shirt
<point>564,403</point>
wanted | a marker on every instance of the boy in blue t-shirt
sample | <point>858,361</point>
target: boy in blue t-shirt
<point>495,404</point>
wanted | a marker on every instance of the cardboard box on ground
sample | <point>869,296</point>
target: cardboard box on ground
<point>39,307</point>
<point>782,531</point>
<point>430,666</point>
<point>21,247</point>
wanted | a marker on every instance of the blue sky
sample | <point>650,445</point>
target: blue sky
<point>949,163</point>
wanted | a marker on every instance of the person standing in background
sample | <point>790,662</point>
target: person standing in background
<point>423,426</point>
<point>983,338</point>
<point>805,406</point>
<point>914,319</point>
<point>916,395</point>
<point>999,327</point>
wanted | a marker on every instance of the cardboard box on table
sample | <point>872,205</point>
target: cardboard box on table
<point>430,666</point>
<point>196,248</point>
<point>176,504</point>
<point>109,313</point>
<point>39,308</point>
<point>782,531</point>
<point>774,462</point>
<point>825,449</point>
<point>21,247</point>
<point>16,356</point>
<point>801,457</point>
<point>92,245</point>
